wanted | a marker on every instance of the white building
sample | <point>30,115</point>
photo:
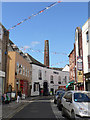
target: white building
<point>48,79</point>
<point>86,52</point>
<point>66,68</point>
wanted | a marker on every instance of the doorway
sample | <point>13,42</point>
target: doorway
<point>45,89</point>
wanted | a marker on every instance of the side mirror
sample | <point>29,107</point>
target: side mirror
<point>68,100</point>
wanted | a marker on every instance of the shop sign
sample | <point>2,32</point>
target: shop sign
<point>79,63</point>
<point>2,74</point>
<point>80,76</point>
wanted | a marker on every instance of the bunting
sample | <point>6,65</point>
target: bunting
<point>41,51</point>
<point>53,4</point>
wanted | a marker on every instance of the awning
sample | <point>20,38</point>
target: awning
<point>69,84</point>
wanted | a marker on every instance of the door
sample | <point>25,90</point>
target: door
<point>45,88</point>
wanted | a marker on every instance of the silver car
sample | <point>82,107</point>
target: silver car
<point>76,104</point>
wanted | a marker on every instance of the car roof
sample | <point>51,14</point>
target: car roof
<point>78,91</point>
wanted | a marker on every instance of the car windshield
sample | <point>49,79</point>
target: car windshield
<point>82,97</point>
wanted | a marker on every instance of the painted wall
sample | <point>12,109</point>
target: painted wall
<point>86,45</point>
<point>46,76</point>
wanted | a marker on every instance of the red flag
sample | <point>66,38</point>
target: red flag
<point>59,1</point>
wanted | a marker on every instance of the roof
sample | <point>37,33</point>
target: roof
<point>60,69</point>
<point>34,61</point>
<point>76,91</point>
<point>70,53</point>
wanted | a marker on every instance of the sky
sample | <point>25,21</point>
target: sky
<point>56,24</point>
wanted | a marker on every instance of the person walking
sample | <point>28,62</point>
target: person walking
<point>42,92</point>
<point>18,96</point>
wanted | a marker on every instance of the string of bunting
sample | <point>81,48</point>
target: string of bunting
<point>53,4</point>
<point>59,63</point>
<point>40,51</point>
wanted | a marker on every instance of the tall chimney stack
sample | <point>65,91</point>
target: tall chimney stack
<point>46,53</point>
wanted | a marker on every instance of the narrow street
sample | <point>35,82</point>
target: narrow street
<point>41,108</point>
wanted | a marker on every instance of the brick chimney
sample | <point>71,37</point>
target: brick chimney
<point>46,53</point>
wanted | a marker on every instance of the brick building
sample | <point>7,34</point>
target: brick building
<point>46,53</point>
<point>79,59</point>
<point>72,69</point>
<point>4,38</point>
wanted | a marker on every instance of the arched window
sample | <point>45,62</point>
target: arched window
<point>51,79</point>
<point>59,80</point>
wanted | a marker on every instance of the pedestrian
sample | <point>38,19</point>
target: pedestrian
<point>42,92</point>
<point>18,96</point>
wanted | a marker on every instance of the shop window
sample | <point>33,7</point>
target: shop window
<point>59,80</point>
<point>40,75</point>
<point>36,87</point>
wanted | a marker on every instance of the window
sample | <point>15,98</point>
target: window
<point>51,79</point>
<point>59,80</point>
<point>26,71</point>
<point>65,79</point>
<point>0,56</point>
<point>87,36</point>
<point>20,69</point>
<point>89,61</point>
<point>23,70</point>
<point>68,96</point>
<point>17,68</point>
<point>40,75</point>
<point>36,87</point>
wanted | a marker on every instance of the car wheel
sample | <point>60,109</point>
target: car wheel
<point>72,115</point>
<point>63,113</point>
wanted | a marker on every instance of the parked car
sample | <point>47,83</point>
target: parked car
<point>56,95</point>
<point>76,104</point>
<point>59,104</point>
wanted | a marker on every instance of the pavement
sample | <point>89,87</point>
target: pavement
<point>9,110</point>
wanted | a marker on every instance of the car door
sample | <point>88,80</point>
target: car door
<point>64,103</point>
<point>68,103</point>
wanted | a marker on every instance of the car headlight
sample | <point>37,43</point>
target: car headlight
<point>83,111</point>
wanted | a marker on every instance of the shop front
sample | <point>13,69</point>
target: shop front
<point>24,87</point>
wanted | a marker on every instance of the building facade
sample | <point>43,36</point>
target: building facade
<point>4,38</point>
<point>47,79</point>
<point>86,53</point>
<point>19,76</point>
<point>72,70</point>
<point>79,59</point>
